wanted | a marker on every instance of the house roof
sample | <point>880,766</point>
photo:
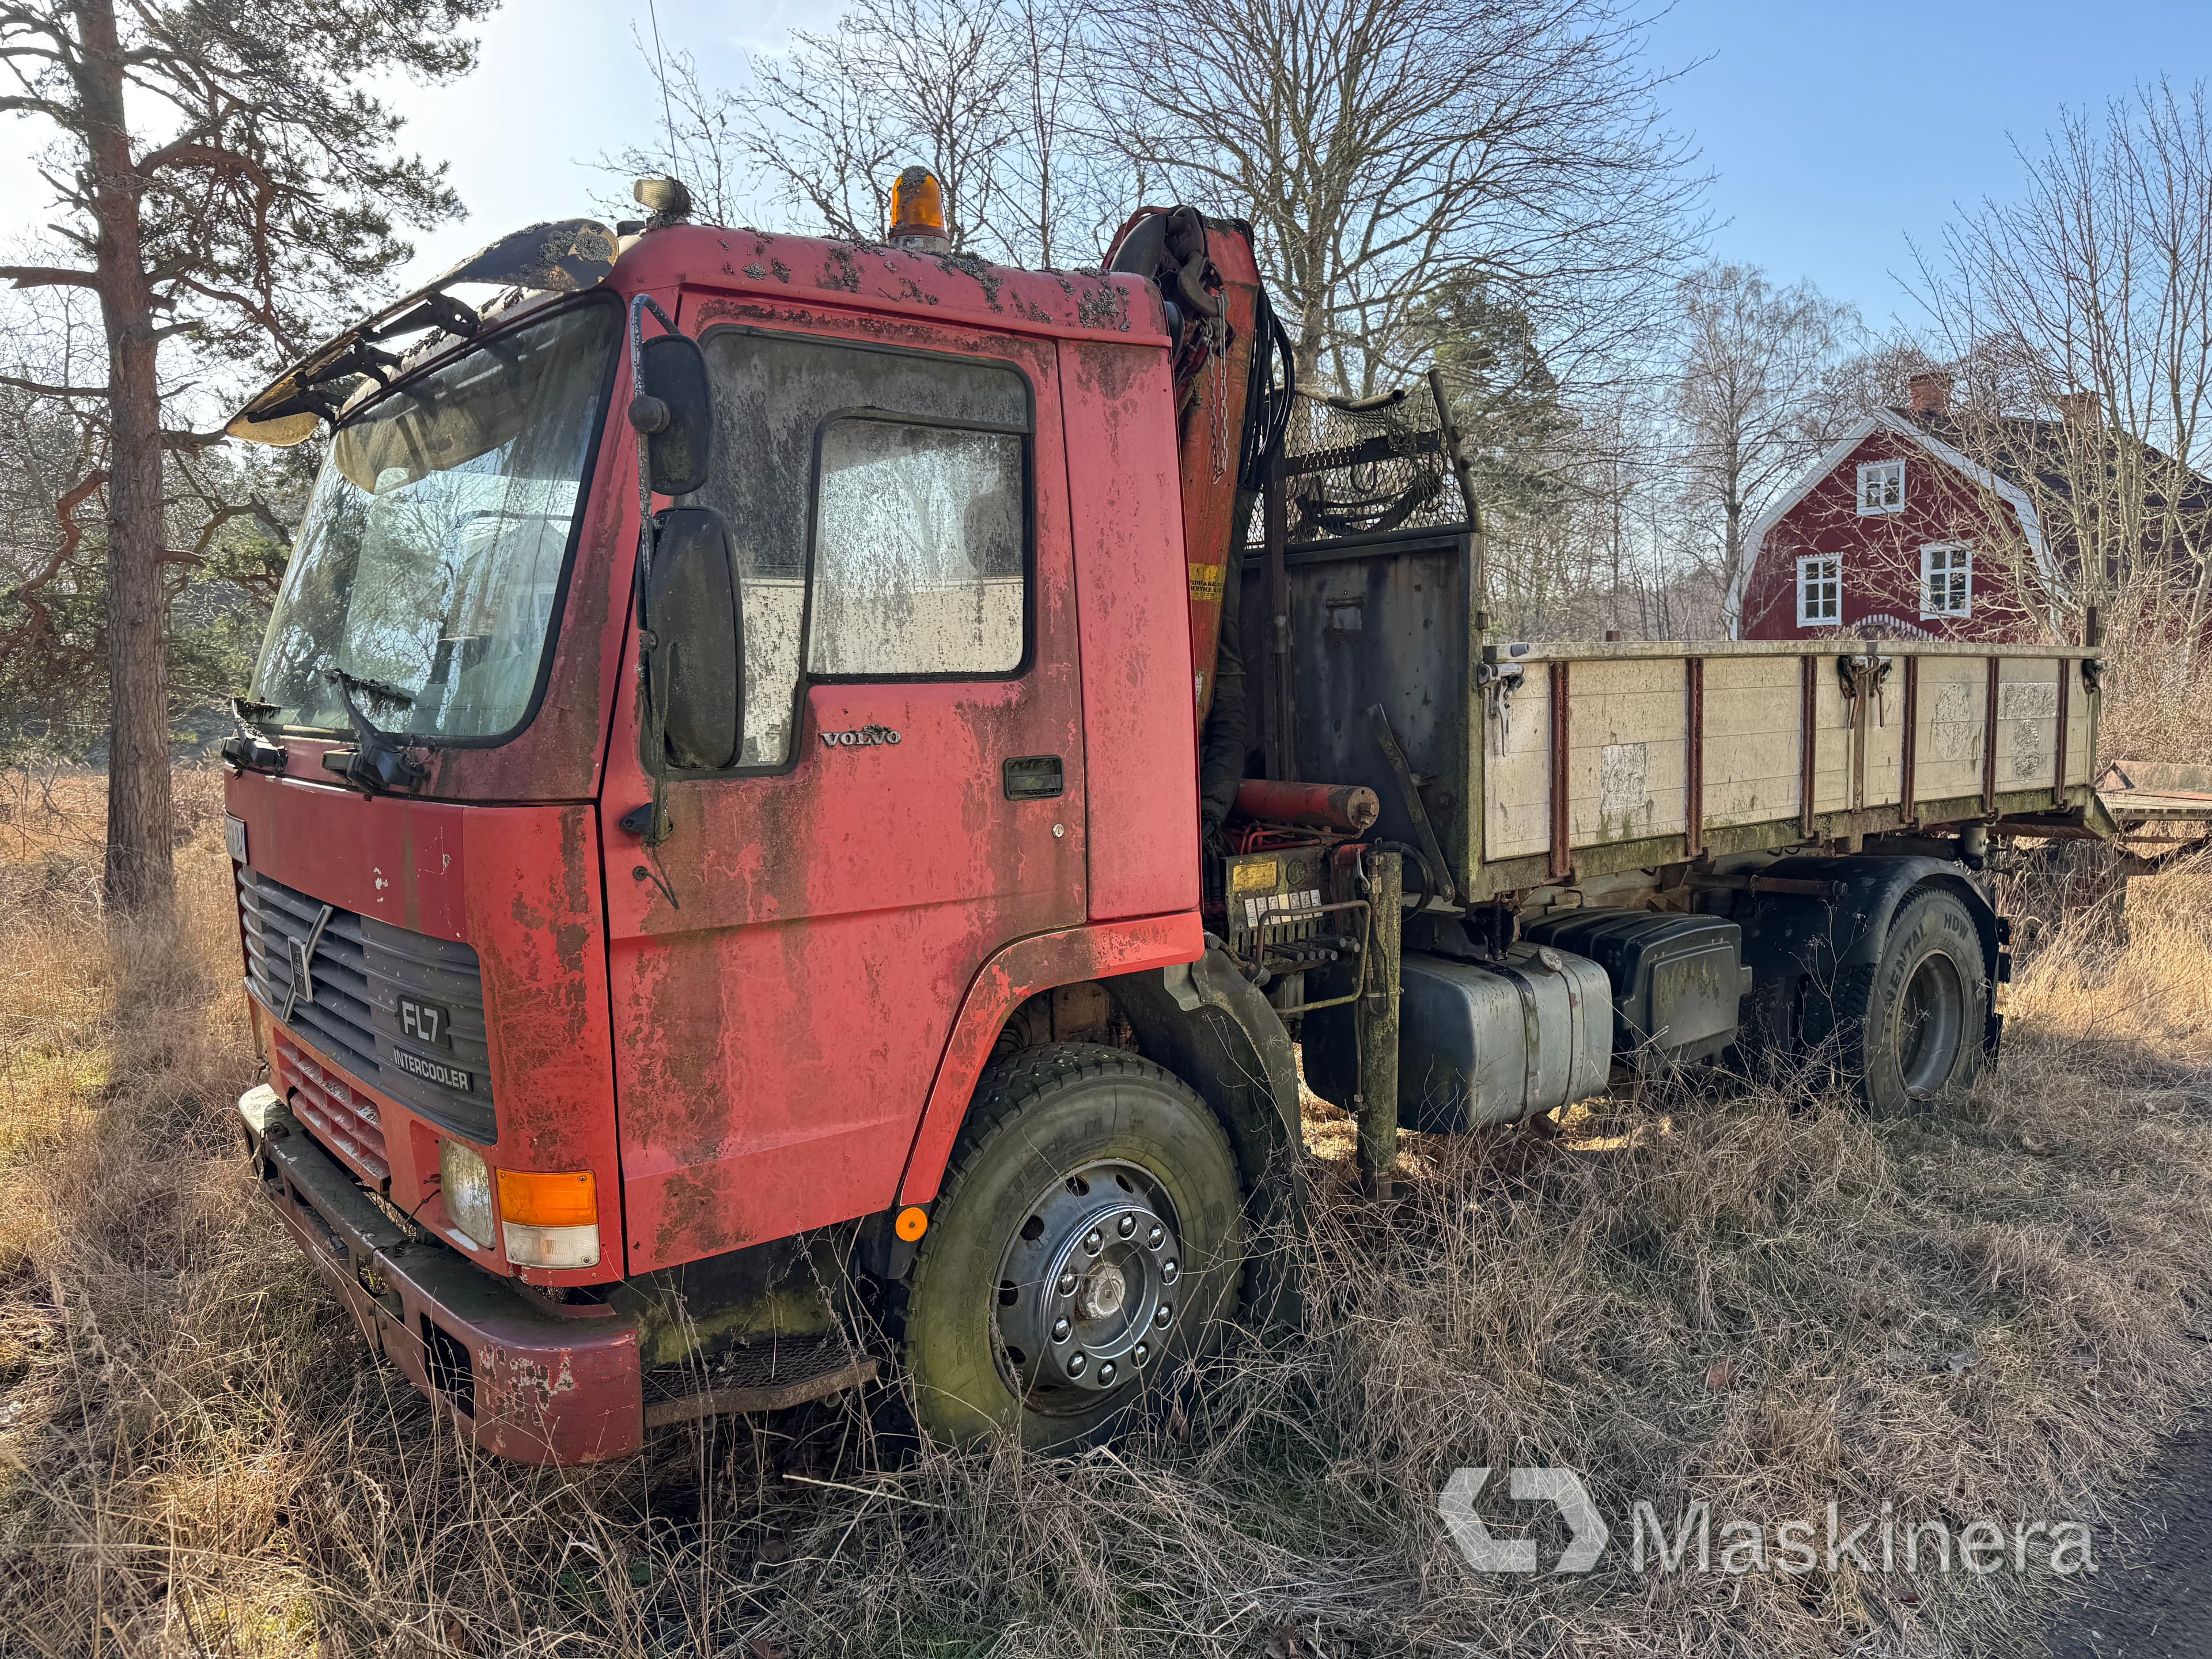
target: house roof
<point>2044,456</point>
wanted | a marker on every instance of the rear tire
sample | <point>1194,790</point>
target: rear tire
<point>1908,1029</point>
<point>1035,1298</point>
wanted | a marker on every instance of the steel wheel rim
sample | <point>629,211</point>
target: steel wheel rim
<point>1088,1287</point>
<point>1931,1020</point>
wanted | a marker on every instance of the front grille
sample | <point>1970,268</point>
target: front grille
<point>361,973</point>
<point>342,1120</point>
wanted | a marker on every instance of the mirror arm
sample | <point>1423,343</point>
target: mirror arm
<point>657,828</point>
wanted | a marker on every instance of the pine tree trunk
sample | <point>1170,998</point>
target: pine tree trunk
<point>140,874</point>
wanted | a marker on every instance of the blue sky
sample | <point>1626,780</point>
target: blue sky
<point>1839,131</point>
<point>1836,131</point>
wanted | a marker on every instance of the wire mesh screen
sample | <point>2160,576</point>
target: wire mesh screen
<point>1366,468</point>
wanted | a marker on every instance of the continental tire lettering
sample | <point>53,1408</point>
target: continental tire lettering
<point>432,1071</point>
<point>865,736</point>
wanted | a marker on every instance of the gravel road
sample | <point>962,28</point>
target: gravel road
<point>2153,1591</point>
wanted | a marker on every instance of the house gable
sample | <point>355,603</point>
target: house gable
<point>1951,497</point>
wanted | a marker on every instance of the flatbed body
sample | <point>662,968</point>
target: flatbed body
<point>1551,762</point>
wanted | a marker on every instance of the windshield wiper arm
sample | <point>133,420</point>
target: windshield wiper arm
<point>378,763</point>
<point>250,748</point>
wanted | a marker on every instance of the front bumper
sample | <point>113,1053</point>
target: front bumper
<point>528,1379</point>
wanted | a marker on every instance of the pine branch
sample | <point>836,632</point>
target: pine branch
<point>40,620</point>
<point>48,276</point>
<point>41,389</point>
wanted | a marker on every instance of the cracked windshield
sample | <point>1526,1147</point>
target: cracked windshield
<point>431,556</point>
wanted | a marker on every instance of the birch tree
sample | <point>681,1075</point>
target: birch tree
<point>1752,388</point>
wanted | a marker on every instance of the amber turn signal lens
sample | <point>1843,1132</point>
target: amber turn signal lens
<point>913,1222</point>
<point>531,1198</point>
<point>917,205</point>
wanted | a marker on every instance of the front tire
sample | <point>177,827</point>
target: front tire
<point>1909,1028</point>
<point>1089,1239</point>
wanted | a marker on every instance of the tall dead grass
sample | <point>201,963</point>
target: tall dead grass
<point>1761,1300</point>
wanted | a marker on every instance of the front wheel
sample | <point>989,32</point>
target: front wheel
<point>1909,1027</point>
<point>1090,1237</point>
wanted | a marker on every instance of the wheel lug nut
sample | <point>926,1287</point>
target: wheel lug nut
<point>1141,1352</point>
<point>1128,1225</point>
<point>1166,1312</point>
<point>1067,1285</point>
<point>1168,1271</point>
<point>1095,1243</point>
<point>1060,1330</point>
<point>1076,1364</point>
<point>1154,1238</point>
<point>1106,1372</point>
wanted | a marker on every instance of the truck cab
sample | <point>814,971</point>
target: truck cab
<point>564,1006</point>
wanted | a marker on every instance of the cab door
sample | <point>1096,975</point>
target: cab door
<point>786,965</point>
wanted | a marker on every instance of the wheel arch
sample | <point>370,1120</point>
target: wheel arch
<point>1790,936</point>
<point>1043,962</point>
<point>1208,1025</point>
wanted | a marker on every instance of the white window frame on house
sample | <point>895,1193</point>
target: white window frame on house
<point>1811,580</point>
<point>1954,562</point>
<point>1881,475</point>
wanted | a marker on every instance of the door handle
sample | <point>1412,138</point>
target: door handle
<point>1033,777</point>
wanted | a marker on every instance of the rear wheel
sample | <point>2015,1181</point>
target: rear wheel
<point>1909,1028</point>
<point>1088,1238</point>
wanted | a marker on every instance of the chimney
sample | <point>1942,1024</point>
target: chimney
<point>1930,392</point>
<point>2082,409</point>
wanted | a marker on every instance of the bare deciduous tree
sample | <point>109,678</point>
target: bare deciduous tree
<point>1383,147</point>
<point>701,140</point>
<point>2090,297</point>
<point>1751,396</point>
<point>218,177</point>
<point>896,83</point>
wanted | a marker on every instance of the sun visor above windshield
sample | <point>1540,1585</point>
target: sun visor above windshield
<point>564,257</point>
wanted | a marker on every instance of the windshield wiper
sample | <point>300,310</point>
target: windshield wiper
<point>249,748</point>
<point>378,763</point>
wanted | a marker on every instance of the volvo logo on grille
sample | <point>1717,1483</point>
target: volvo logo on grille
<point>426,1022</point>
<point>432,1071</point>
<point>302,954</point>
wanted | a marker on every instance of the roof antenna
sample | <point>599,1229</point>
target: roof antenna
<point>661,74</point>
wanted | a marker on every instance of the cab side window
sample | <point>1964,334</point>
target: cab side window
<point>918,534</point>
<point>879,502</point>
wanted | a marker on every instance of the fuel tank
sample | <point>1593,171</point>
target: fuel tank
<point>1480,1044</point>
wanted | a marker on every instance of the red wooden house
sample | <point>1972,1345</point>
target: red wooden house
<point>1897,531</point>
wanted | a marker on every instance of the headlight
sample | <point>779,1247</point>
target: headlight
<point>465,1185</point>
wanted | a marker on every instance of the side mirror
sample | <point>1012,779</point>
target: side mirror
<point>697,667</point>
<point>674,407</point>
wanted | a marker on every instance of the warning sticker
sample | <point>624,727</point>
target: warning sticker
<point>1207,581</point>
<point>1279,907</point>
<point>1263,875</point>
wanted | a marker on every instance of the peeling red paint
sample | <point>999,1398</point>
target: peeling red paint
<point>521,885</point>
<point>779,1031</point>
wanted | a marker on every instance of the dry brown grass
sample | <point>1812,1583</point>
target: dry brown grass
<point>2153,707</point>
<point>1765,1300</point>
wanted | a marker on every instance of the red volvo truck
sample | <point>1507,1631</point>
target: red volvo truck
<point>798,796</point>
